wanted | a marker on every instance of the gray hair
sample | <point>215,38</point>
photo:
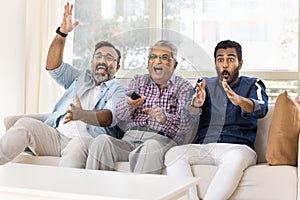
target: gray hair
<point>166,43</point>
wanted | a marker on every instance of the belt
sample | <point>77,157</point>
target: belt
<point>147,129</point>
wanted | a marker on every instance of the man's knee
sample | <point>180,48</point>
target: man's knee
<point>99,141</point>
<point>173,154</point>
<point>21,130</point>
<point>150,149</point>
<point>25,121</point>
<point>241,157</point>
<point>80,141</point>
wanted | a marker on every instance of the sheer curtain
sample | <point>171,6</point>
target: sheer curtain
<point>12,20</point>
<point>42,19</point>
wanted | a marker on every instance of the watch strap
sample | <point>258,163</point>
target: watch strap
<point>60,33</point>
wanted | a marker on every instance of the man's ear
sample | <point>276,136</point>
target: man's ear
<point>240,64</point>
<point>175,64</point>
<point>118,67</point>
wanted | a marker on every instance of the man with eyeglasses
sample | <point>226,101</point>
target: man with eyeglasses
<point>153,118</point>
<point>86,109</point>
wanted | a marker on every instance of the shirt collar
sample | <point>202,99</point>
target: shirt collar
<point>171,81</point>
<point>109,83</point>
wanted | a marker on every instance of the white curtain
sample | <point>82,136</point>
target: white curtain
<point>12,58</point>
<point>42,19</point>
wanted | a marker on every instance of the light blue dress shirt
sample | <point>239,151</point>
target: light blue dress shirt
<point>78,82</point>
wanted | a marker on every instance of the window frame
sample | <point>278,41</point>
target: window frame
<point>156,20</point>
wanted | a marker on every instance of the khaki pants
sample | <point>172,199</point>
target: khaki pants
<point>145,151</point>
<point>43,140</point>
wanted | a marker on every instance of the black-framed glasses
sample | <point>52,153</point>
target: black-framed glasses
<point>163,57</point>
<point>106,57</point>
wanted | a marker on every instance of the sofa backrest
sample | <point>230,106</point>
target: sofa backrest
<point>261,141</point>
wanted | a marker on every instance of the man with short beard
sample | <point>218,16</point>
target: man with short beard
<point>229,107</point>
<point>86,109</point>
<point>153,122</point>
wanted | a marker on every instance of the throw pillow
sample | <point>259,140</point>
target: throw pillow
<point>284,131</point>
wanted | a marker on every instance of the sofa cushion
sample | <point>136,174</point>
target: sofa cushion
<point>36,160</point>
<point>267,182</point>
<point>258,182</point>
<point>284,131</point>
<point>206,173</point>
<point>261,140</point>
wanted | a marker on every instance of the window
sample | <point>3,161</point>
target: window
<point>114,21</point>
<point>266,29</point>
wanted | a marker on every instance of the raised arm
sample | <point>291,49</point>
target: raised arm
<point>55,53</point>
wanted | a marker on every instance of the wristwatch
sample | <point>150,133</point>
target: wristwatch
<point>60,33</point>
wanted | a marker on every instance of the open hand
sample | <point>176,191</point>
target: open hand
<point>67,24</point>
<point>232,96</point>
<point>200,94</point>
<point>74,113</point>
<point>157,113</point>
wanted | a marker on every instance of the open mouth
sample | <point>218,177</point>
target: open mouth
<point>156,69</point>
<point>225,74</point>
<point>101,67</point>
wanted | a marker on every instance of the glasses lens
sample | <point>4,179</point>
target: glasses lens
<point>164,57</point>
<point>97,56</point>
<point>107,57</point>
<point>152,57</point>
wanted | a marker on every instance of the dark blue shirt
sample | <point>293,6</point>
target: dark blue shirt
<point>223,122</point>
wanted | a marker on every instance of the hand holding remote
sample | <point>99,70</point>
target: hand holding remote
<point>135,100</point>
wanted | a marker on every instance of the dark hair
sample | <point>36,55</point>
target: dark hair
<point>108,44</point>
<point>229,44</point>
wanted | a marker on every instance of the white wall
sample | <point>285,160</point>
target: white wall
<point>12,54</point>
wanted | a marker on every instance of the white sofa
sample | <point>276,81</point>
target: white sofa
<point>260,182</point>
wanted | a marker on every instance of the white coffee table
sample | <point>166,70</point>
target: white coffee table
<point>32,182</point>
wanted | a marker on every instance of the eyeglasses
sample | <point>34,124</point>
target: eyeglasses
<point>164,57</point>
<point>106,57</point>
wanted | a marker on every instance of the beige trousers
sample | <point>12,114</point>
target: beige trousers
<point>145,151</point>
<point>43,140</point>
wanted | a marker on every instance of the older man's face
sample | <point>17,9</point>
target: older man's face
<point>161,64</point>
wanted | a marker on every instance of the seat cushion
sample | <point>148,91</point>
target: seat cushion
<point>258,182</point>
<point>37,160</point>
<point>268,182</point>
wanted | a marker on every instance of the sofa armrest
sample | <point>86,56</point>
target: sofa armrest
<point>9,121</point>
